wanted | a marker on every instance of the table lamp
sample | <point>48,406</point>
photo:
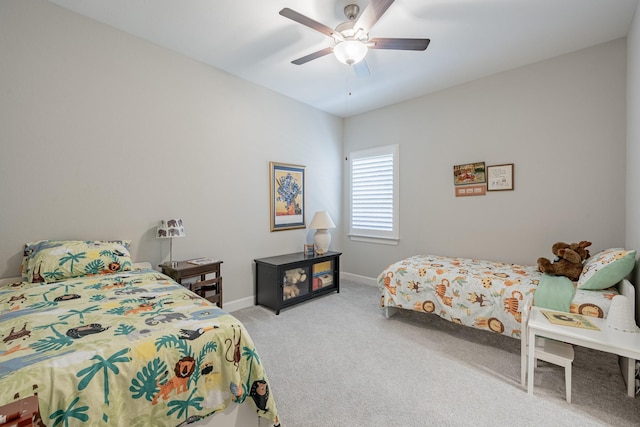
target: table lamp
<point>322,222</point>
<point>168,229</point>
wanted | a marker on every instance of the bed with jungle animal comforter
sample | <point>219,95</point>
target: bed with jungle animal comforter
<point>490,295</point>
<point>127,348</point>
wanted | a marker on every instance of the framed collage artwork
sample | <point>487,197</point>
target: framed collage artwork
<point>470,173</point>
<point>469,179</point>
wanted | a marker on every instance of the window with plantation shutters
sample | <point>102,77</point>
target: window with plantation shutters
<point>374,195</point>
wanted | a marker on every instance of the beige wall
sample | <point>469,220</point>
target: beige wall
<point>103,134</point>
<point>562,122</point>
<point>633,146</point>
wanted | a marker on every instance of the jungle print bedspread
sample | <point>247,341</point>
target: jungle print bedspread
<point>481,294</point>
<point>127,349</point>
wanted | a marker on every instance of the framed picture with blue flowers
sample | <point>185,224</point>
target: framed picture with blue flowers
<point>286,196</point>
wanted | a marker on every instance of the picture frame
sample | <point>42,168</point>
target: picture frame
<point>469,173</point>
<point>309,250</point>
<point>286,196</point>
<point>500,177</point>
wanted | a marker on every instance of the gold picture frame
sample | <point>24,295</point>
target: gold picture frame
<point>309,250</point>
<point>286,195</point>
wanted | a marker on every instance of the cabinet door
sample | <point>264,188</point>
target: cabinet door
<point>295,283</point>
<point>322,275</point>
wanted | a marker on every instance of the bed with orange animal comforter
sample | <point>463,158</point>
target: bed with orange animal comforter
<point>481,294</point>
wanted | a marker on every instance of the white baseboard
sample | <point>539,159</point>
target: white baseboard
<point>231,306</point>
<point>359,279</point>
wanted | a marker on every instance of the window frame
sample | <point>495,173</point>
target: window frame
<point>377,236</point>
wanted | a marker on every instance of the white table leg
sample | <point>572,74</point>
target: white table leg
<point>523,361</point>
<point>631,377</point>
<point>531,361</point>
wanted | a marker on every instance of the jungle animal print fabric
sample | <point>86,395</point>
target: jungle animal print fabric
<point>131,348</point>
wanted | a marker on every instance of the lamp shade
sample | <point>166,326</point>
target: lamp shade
<point>170,228</point>
<point>350,51</point>
<point>321,221</point>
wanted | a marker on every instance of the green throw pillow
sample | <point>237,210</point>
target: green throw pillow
<point>606,268</point>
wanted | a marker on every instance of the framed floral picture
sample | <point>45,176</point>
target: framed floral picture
<point>286,196</point>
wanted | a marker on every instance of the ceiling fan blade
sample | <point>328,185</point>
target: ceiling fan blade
<point>361,69</point>
<point>312,56</point>
<point>301,19</point>
<point>398,44</point>
<point>370,15</point>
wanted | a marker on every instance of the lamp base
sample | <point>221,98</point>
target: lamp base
<point>322,240</point>
<point>171,263</point>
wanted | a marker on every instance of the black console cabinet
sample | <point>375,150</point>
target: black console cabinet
<point>286,280</point>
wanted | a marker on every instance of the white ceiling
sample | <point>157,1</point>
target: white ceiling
<point>469,39</point>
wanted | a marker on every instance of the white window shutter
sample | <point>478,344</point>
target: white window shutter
<point>374,194</point>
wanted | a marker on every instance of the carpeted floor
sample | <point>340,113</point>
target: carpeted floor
<point>337,361</point>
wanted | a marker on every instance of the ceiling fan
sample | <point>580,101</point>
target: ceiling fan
<point>351,38</point>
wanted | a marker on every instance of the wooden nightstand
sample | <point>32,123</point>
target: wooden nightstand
<point>25,412</point>
<point>209,289</point>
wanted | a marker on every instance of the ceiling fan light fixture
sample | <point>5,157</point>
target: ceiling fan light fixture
<point>350,51</point>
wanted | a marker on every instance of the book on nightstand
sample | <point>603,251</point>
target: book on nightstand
<point>569,319</point>
<point>202,261</point>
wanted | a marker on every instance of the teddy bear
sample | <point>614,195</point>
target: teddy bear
<point>569,261</point>
<point>291,278</point>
